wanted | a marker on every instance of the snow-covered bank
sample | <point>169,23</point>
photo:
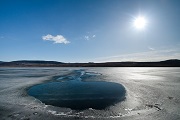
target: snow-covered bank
<point>152,93</point>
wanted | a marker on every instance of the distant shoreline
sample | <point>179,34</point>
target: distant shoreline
<point>36,63</point>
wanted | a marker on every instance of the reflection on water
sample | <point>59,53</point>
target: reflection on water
<point>72,92</point>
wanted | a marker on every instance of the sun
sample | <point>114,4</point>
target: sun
<point>140,22</point>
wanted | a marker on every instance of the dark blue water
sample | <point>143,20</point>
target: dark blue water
<point>71,91</point>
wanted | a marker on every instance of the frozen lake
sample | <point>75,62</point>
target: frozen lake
<point>90,93</point>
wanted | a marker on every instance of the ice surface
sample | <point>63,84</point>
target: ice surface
<point>151,93</point>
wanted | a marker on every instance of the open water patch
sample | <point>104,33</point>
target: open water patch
<point>71,91</point>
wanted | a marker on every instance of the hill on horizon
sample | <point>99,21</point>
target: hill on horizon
<point>42,63</point>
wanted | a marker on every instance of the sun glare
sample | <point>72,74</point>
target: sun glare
<point>140,22</point>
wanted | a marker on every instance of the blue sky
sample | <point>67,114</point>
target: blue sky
<point>89,30</point>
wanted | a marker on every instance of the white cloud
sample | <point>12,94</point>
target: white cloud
<point>56,39</point>
<point>150,48</point>
<point>86,37</point>
<point>89,37</point>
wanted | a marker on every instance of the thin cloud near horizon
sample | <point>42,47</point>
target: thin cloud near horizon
<point>149,56</point>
